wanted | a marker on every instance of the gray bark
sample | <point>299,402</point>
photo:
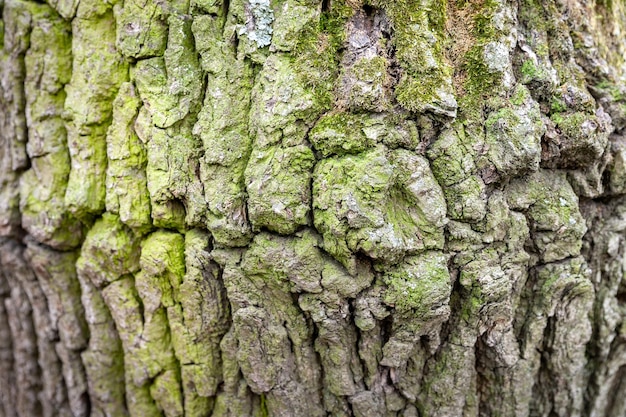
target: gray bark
<point>308,208</point>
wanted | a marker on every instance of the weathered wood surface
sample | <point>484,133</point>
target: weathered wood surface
<point>312,208</point>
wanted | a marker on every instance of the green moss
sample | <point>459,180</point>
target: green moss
<point>225,197</point>
<point>214,7</point>
<point>47,66</point>
<point>503,116</point>
<point>197,402</point>
<point>124,304</point>
<point>166,390</point>
<point>452,156</point>
<point>605,3</point>
<point>557,105</point>
<point>110,250</point>
<point>613,90</point>
<point>264,412</point>
<point>552,206</point>
<point>368,83</point>
<point>483,283</point>
<point>483,24</point>
<point>86,187</point>
<point>571,277</point>
<point>50,41</point>
<point>513,135</point>
<point>371,69</point>
<point>529,70</point>
<point>163,260</point>
<point>278,187</point>
<point>481,80</point>
<point>317,52</point>
<point>141,29</point>
<point>98,71</point>
<point>282,107</point>
<point>127,192</point>
<point>533,14</point>
<point>154,354</point>
<point>171,86</point>
<point>413,20</point>
<point>222,127</point>
<point>286,262</point>
<point>583,139</point>
<point>385,205</point>
<point>570,123</point>
<point>291,20</point>
<point>418,289</point>
<point>201,282</point>
<point>520,96</point>
<point>471,306</point>
<point>420,284</point>
<point>418,93</point>
<point>278,171</point>
<point>139,401</point>
<point>419,33</point>
<point>339,133</point>
<point>465,199</point>
<point>210,43</point>
<point>176,193</point>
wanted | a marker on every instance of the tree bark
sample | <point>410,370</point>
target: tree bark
<point>312,208</point>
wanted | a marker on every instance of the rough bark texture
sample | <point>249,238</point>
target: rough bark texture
<point>312,208</point>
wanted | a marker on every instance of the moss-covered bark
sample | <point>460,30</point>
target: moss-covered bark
<point>403,208</point>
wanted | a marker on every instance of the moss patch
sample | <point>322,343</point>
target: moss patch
<point>383,204</point>
<point>317,52</point>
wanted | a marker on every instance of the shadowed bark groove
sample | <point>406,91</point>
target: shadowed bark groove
<point>354,208</point>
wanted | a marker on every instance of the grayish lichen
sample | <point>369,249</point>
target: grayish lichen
<point>258,25</point>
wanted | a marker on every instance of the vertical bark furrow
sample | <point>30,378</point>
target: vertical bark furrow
<point>125,305</point>
<point>198,322</point>
<point>98,70</point>
<point>8,395</point>
<point>158,283</point>
<point>28,384</point>
<point>607,355</point>
<point>171,89</point>
<point>109,257</point>
<point>222,127</point>
<point>42,188</point>
<point>17,28</point>
<point>104,358</point>
<point>56,274</point>
<point>126,182</point>
<point>53,396</point>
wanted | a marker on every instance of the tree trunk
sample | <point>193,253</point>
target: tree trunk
<point>313,208</point>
